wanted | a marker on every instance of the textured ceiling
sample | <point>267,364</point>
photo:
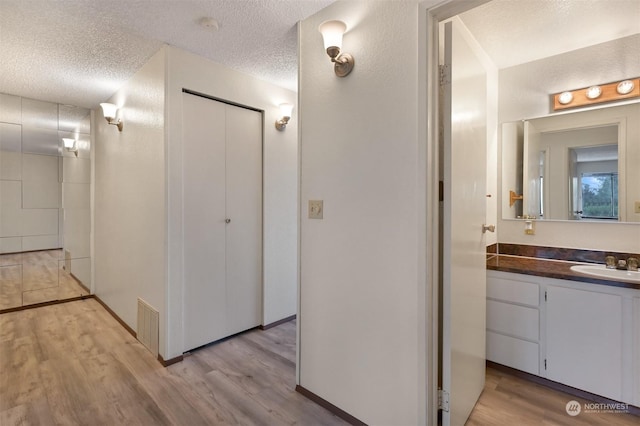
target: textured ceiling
<point>80,52</point>
<point>514,32</point>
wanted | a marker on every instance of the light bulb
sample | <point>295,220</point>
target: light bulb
<point>565,98</point>
<point>625,87</point>
<point>594,92</point>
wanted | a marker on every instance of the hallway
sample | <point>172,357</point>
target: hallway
<point>74,364</point>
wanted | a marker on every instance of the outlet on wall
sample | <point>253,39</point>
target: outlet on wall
<point>636,207</point>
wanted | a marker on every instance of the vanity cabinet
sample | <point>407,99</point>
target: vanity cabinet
<point>636,350</point>
<point>583,335</point>
<point>513,319</point>
<point>584,340</point>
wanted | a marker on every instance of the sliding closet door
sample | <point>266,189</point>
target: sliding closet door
<point>222,166</point>
<point>244,209</point>
<point>204,220</point>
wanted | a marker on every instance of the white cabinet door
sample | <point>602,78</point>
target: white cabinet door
<point>636,350</point>
<point>222,163</point>
<point>584,340</point>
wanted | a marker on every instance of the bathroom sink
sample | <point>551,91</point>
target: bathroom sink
<point>610,274</point>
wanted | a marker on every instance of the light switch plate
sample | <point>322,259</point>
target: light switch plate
<point>636,207</point>
<point>315,209</point>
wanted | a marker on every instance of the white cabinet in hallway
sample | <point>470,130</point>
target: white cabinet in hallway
<point>222,163</point>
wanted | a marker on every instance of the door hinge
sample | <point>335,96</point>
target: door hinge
<point>443,400</point>
<point>545,363</point>
<point>545,295</point>
<point>445,74</point>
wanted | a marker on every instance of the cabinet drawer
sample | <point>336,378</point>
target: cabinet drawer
<point>515,320</point>
<point>512,352</point>
<point>513,291</point>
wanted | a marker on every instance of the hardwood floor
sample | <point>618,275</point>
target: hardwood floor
<point>508,400</point>
<point>74,364</point>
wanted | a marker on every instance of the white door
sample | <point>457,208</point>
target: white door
<point>222,167</point>
<point>244,210</point>
<point>464,212</point>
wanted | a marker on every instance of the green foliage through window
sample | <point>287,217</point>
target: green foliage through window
<point>599,195</point>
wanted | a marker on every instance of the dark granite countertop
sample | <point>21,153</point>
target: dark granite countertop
<point>548,268</point>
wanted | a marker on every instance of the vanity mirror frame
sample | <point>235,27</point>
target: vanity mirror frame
<point>514,176</point>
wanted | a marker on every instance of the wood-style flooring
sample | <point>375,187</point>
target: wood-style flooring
<point>74,364</point>
<point>511,401</point>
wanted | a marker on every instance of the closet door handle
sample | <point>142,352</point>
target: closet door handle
<point>227,220</point>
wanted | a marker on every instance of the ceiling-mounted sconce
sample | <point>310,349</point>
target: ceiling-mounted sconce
<point>110,111</point>
<point>332,32</point>
<point>596,94</point>
<point>70,145</point>
<point>285,110</point>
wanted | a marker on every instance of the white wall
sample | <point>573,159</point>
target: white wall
<point>195,73</point>
<point>523,96</point>
<point>359,292</point>
<point>130,198</point>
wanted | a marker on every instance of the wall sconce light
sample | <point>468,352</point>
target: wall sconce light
<point>285,110</point>
<point>332,32</point>
<point>70,145</point>
<point>109,111</point>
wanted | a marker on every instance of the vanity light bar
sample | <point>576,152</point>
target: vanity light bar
<point>624,89</point>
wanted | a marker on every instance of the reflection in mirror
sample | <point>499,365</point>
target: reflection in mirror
<point>558,159</point>
<point>594,182</point>
<point>577,166</point>
<point>45,211</point>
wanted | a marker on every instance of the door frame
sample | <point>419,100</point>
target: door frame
<point>430,15</point>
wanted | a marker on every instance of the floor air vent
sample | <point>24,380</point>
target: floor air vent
<point>148,323</point>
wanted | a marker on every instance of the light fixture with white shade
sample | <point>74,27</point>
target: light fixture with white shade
<point>625,87</point>
<point>594,92</point>
<point>285,111</point>
<point>110,111</point>
<point>70,145</point>
<point>565,98</point>
<point>332,32</point>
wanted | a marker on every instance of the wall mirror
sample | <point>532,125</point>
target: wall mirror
<point>578,166</point>
<point>45,215</point>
